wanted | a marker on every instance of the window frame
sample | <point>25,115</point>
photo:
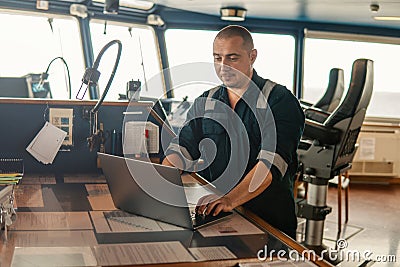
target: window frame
<point>134,25</point>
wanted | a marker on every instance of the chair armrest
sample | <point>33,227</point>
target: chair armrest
<point>305,104</point>
<point>326,135</point>
<point>317,110</point>
<point>316,114</point>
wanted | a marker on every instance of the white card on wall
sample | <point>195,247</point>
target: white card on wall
<point>47,142</point>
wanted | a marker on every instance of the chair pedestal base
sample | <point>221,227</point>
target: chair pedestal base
<point>314,232</point>
<point>316,199</point>
<point>314,210</point>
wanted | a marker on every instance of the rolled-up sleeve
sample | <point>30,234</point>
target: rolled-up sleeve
<point>186,143</point>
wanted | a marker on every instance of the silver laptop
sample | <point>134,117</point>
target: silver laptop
<point>151,190</point>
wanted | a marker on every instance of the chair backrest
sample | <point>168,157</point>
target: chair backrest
<point>333,93</point>
<point>349,115</point>
<point>359,92</point>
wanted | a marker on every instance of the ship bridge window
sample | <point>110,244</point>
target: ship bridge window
<point>139,58</point>
<point>325,51</point>
<point>31,41</point>
<point>275,59</point>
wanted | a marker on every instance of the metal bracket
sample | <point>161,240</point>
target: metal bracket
<point>307,211</point>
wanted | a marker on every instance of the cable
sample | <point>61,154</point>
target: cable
<point>144,72</point>
<point>45,75</point>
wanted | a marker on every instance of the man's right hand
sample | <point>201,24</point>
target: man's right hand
<point>213,203</point>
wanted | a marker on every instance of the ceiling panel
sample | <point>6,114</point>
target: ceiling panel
<point>340,11</point>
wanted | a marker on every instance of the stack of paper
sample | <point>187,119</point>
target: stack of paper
<point>141,137</point>
<point>9,179</point>
<point>11,171</point>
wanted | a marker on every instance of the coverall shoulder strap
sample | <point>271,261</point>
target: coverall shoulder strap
<point>209,105</point>
<point>266,90</point>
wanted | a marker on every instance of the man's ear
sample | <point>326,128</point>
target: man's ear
<point>253,56</point>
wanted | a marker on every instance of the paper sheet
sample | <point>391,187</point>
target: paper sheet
<point>212,253</point>
<point>99,197</point>
<point>38,179</point>
<point>29,196</point>
<point>119,221</point>
<point>135,139</point>
<point>52,221</point>
<point>47,142</point>
<point>53,238</point>
<point>233,225</point>
<point>97,189</point>
<point>101,202</point>
<point>85,178</point>
<point>141,253</point>
<point>367,148</point>
<point>63,119</point>
<point>53,256</point>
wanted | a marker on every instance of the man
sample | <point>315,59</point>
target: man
<point>247,131</point>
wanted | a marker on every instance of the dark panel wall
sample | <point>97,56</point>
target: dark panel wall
<point>21,121</point>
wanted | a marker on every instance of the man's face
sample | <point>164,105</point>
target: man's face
<point>233,62</point>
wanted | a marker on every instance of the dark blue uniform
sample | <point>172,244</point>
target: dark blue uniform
<point>231,142</point>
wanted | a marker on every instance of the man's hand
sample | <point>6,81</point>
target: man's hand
<point>214,203</point>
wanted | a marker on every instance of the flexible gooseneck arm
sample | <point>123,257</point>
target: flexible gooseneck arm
<point>45,75</point>
<point>96,65</point>
<point>92,75</point>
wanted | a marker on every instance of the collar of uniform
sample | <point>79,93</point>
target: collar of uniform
<point>256,84</point>
<point>257,80</point>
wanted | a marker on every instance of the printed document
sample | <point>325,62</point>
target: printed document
<point>141,253</point>
<point>212,253</point>
<point>233,225</point>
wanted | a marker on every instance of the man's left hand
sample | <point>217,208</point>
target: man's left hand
<point>213,203</point>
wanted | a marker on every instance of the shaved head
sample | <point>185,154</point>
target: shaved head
<point>234,55</point>
<point>236,30</point>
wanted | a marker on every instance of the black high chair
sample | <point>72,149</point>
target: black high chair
<point>327,149</point>
<point>333,93</point>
